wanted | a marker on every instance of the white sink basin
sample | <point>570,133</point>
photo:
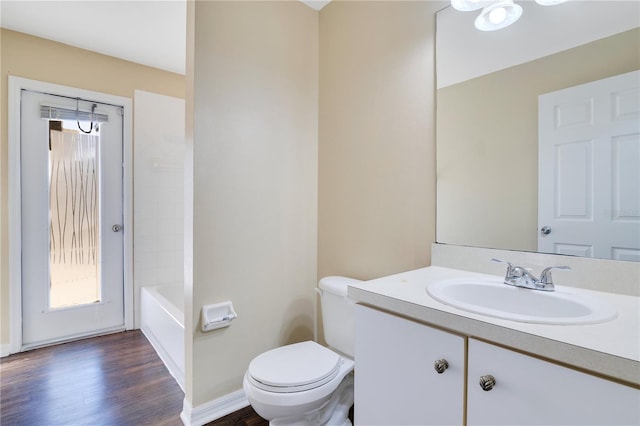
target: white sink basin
<point>496,299</point>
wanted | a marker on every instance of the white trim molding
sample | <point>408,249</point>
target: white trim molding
<point>15,216</point>
<point>213,410</point>
<point>16,85</point>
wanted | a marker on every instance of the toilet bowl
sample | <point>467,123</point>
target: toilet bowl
<point>296,384</point>
<point>306,383</point>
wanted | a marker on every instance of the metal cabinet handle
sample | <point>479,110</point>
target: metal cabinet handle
<point>441,365</point>
<point>545,230</point>
<point>487,382</point>
<point>116,228</point>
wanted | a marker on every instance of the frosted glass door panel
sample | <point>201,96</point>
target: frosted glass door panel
<point>73,216</point>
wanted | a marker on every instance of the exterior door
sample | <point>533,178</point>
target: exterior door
<point>589,169</point>
<point>71,173</point>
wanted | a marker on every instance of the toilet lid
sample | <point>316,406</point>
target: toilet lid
<point>294,368</point>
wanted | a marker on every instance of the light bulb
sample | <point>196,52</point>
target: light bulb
<point>498,15</point>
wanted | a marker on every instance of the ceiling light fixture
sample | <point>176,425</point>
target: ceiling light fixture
<point>496,14</point>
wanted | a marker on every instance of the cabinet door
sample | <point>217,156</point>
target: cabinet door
<point>529,391</point>
<point>395,379</point>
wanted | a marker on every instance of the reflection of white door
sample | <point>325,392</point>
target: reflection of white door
<point>589,169</point>
<point>71,198</point>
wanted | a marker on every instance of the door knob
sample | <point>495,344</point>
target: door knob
<point>116,228</point>
<point>545,230</point>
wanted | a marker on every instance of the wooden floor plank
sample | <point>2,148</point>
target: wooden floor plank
<point>110,380</point>
<point>244,417</point>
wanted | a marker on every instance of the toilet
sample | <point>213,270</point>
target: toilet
<point>306,383</point>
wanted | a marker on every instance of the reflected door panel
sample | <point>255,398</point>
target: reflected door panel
<point>589,181</point>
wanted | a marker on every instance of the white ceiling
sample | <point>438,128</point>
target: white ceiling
<point>465,53</point>
<point>316,4</point>
<point>149,32</point>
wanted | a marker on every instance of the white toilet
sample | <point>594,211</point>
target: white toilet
<point>306,383</point>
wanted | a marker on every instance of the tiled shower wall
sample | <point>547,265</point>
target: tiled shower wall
<point>158,190</point>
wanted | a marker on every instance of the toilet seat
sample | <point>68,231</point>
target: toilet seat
<point>294,368</point>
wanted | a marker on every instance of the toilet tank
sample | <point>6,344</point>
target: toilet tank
<point>338,313</point>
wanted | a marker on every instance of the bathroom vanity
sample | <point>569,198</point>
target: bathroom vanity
<point>422,362</point>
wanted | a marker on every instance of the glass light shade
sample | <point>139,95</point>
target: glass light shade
<point>549,2</point>
<point>498,15</point>
<point>469,5</point>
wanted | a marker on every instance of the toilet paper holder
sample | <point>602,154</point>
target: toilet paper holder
<point>217,315</point>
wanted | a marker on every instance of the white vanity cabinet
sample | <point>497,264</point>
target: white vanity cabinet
<point>396,382</point>
<point>530,391</point>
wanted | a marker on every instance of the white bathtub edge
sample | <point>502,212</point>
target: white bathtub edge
<point>213,410</point>
<point>155,317</point>
<point>174,370</point>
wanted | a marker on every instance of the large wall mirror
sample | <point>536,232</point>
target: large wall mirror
<point>489,86</point>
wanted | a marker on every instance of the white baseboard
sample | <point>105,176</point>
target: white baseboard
<point>5,350</point>
<point>212,410</point>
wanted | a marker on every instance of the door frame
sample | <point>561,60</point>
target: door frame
<point>16,85</point>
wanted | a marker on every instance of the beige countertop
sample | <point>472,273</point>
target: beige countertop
<point>611,348</point>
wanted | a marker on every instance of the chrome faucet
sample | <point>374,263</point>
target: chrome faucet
<point>520,277</point>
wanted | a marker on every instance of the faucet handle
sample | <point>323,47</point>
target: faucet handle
<point>509,275</point>
<point>545,276</point>
<point>502,261</point>
<point>509,267</point>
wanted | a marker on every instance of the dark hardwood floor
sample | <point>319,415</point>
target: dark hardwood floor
<point>110,380</point>
<point>244,417</point>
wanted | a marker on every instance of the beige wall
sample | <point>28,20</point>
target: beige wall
<point>256,144</point>
<point>38,59</point>
<point>488,142</point>
<point>313,149</point>
<point>254,233</point>
<point>376,205</point>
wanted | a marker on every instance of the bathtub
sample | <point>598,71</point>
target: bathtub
<point>162,322</point>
